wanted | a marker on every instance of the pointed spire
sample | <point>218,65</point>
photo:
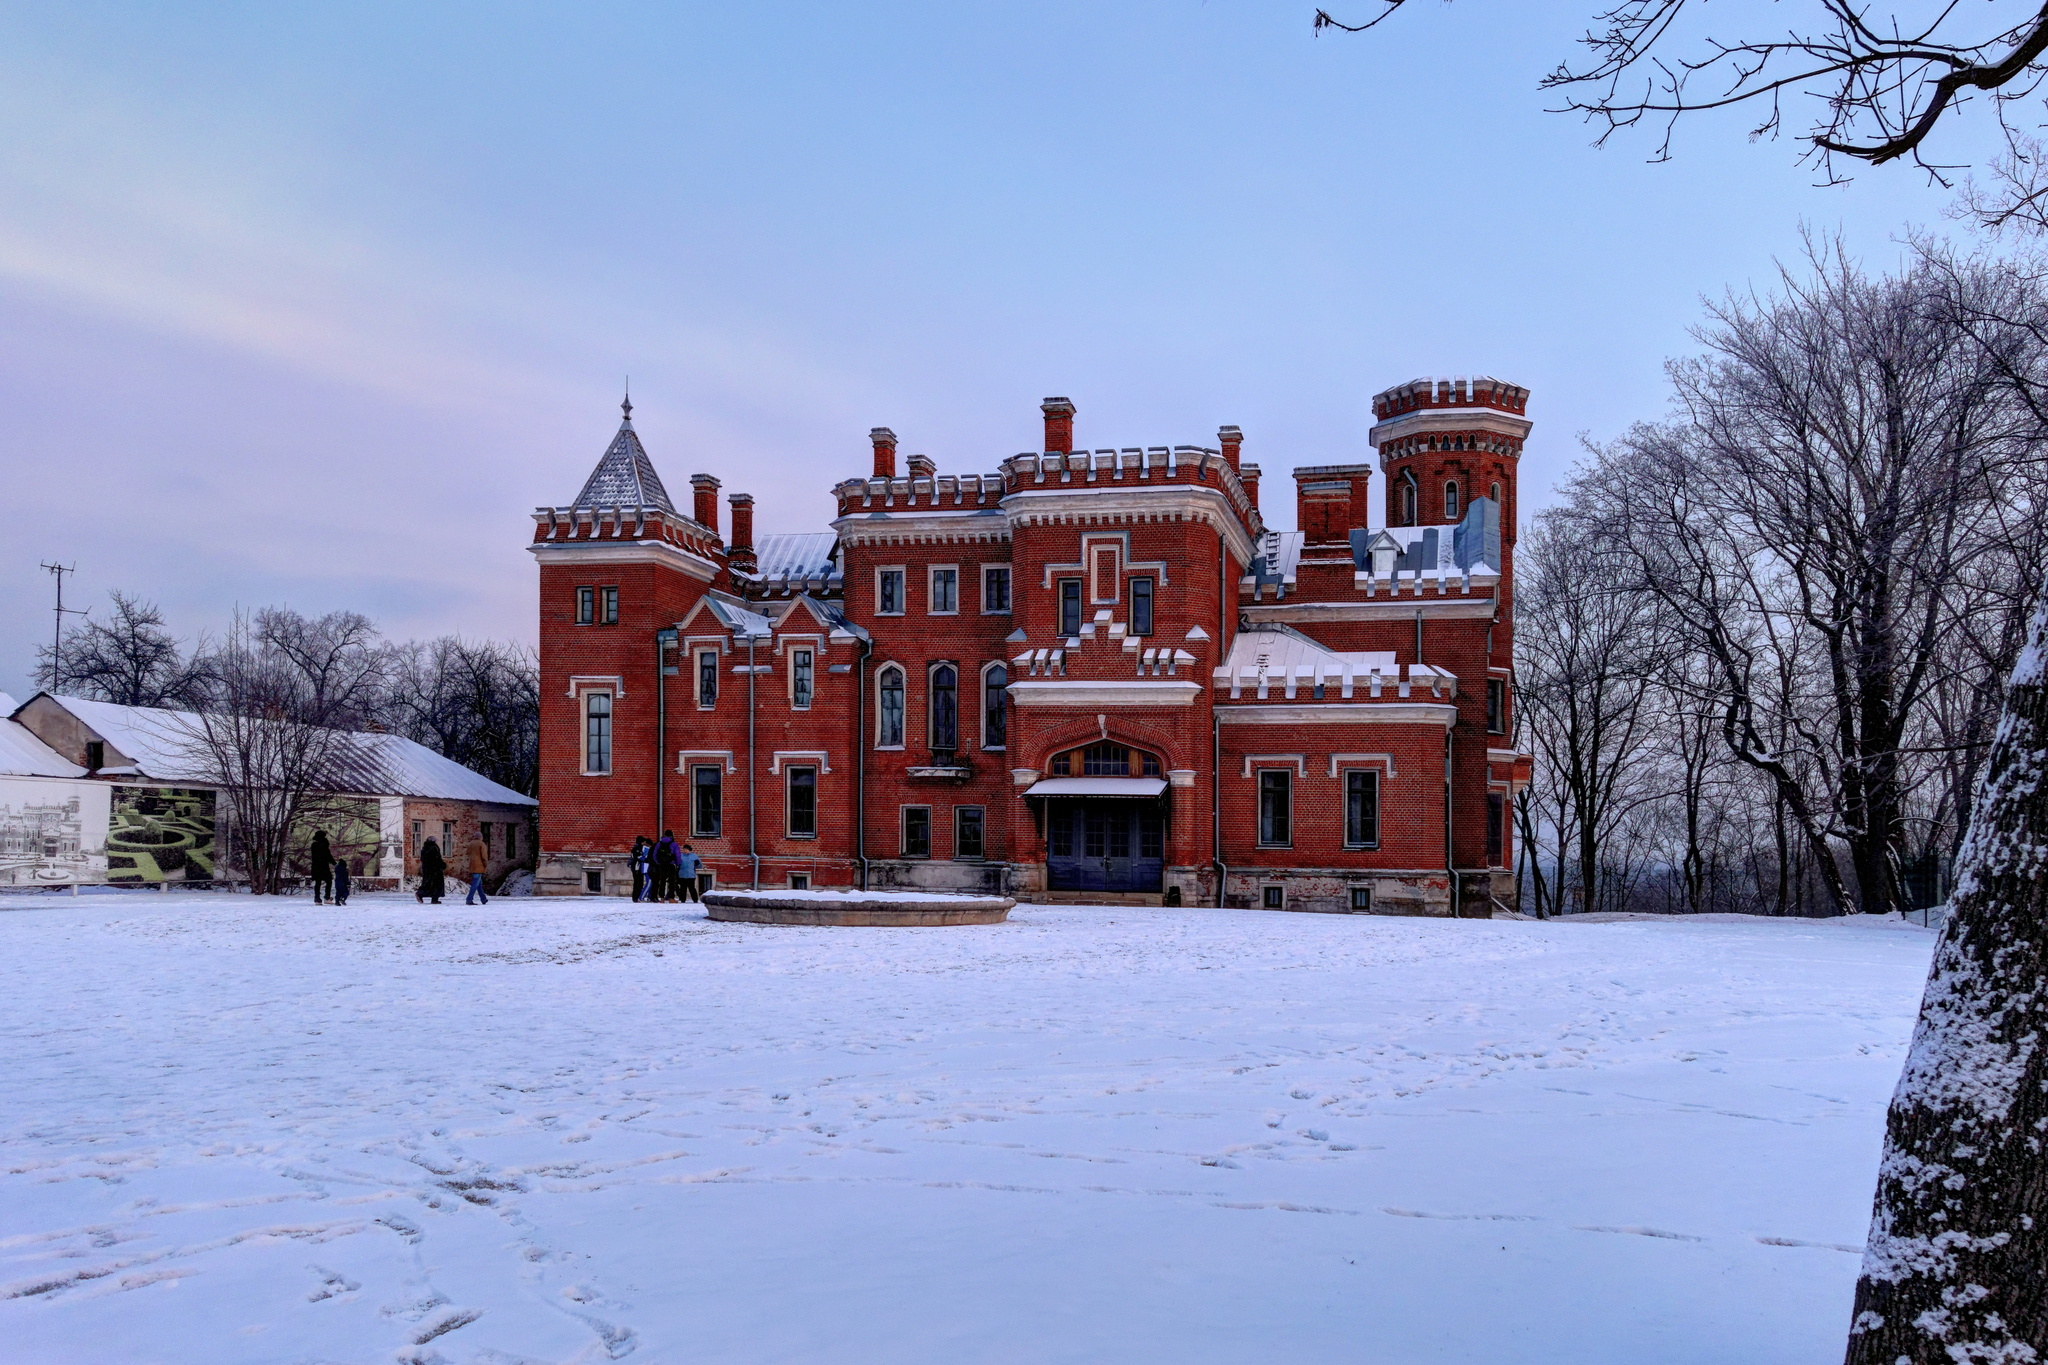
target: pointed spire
<point>626,405</point>
<point>624,476</point>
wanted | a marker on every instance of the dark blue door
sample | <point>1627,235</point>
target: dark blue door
<point>1105,845</point>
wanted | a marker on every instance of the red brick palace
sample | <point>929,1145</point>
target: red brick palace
<point>1082,673</point>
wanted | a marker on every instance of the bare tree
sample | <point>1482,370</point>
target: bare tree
<point>1878,83</point>
<point>129,658</point>
<point>262,737</point>
<point>338,655</point>
<point>477,702</point>
<point>1959,1233</point>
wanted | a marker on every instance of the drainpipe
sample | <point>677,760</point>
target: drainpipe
<point>860,764</point>
<point>1450,863</point>
<point>1226,591</point>
<point>664,641</point>
<point>753,849</point>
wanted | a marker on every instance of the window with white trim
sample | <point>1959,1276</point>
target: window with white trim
<point>597,734</point>
<point>945,708</point>
<point>1276,808</point>
<point>889,708</point>
<point>995,706</point>
<point>1361,809</point>
<point>707,679</point>
<point>801,679</point>
<point>707,804</point>
<point>944,596</point>
<point>917,831</point>
<point>801,782</point>
<point>967,832</point>
<point>889,592</point>
<point>995,590</point>
<point>1450,500</point>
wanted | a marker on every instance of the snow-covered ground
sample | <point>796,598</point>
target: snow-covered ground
<point>237,1130</point>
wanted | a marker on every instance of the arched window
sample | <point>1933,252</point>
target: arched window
<point>1493,491</point>
<point>945,707</point>
<point>889,714</point>
<point>1407,504</point>
<point>995,707</point>
<point>1450,500</point>
<point>1106,760</point>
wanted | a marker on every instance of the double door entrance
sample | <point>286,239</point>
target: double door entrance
<point>1112,844</point>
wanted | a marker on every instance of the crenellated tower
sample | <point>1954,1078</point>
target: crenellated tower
<point>1444,442</point>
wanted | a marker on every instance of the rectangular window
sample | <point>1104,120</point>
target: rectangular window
<point>1496,831</point>
<point>1361,900</point>
<point>995,589</point>
<point>1060,831</point>
<point>917,831</point>
<point>800,670</point>
<point>707,807</point>
<point>889,592</point>
<point>608,606</point>
<point>945,594</point>
<point>511,841</point>
<point>586,606</point>
<point>803,802</point>
<point>707,678</point>
<point>597,733</point>
<point>448,839</point>
<point>1496,706</point>
<point>967,831</point>
<point>485,827</point>
<point>419,836</point>
<point>799,881</point>
<point>1362,810</point>
<point>1276,808</point>
<point>1141,606</point>
<point>95,754</point>
<point>1274,897</point>
<point>1070,607</point>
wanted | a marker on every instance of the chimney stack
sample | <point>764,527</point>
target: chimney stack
<point>1248,475</point>
<point>740,554</point>
<point>922,467</point>
<point>1330,500</point>
<point>885,452</point>
<point>706,489</point>
<point>1232,441</point>
<point>1059,425</point>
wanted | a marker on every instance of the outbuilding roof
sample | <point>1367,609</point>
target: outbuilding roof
<point>23,755</point>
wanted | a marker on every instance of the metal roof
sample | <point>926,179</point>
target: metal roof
<point>624,476</point>
<point>1098,786</point>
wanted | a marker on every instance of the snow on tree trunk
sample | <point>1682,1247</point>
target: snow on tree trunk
<point>1957,1266</point>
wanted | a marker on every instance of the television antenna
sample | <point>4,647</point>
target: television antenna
<point>57,638</point>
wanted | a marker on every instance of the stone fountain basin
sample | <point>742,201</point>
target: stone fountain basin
<point>892,909</point>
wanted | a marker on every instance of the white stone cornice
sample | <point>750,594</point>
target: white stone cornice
<point>1099,506</point>
<point>1083,692</point>
<point>625,552</point>
<point>1428,420</point>
<point>1341,713</point>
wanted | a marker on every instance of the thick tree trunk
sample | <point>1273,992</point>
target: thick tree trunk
<point>1957,1265</point>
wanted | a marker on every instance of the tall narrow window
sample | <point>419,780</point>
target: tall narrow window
<point>1407,504</point>
<point>1496,706</point>
<point>511,840</point>
<point>1493,490</point>
<point>995,589</point>
<point>608,606</point>
<point>889,711</point>
<point>917,831</point>
<point>1496,831</point>
<point>967,842</point>
<point>419,836</point>
<point>707,808</point>
<point>889,592</point>
<point>1070,607</point>
<point>1276,808</point>
<point>1141,606</point>
<point>1362,810</point>
<point>1451,500</point>
<point>586,606</point>
<point>945,707</point>
<point>800,669</point>
<point>945,594</point>
<point>803,802</point>
<point>707,678</point>
<point>597,732</point>
<point>995,707</point>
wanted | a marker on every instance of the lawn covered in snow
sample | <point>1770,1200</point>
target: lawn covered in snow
<point>236,1130</point>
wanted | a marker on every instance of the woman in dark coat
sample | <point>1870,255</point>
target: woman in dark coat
<point>321,856</point>
<point>433,874</point>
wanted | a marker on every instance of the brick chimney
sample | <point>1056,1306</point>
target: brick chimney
<point>885,452</point>
<point>706,489</point>
<point>1232,441</point>
<point>740,553</point>
<point>922,466</point>
<point>1248,475</point>
<point>1330,499</point>
<point>1059,425</point>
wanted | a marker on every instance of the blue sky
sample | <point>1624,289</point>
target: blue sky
<point>314,303</point>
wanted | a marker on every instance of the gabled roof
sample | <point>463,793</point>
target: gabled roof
<point>624,476</point>
<point>23,755</point>
<point>831,615</point>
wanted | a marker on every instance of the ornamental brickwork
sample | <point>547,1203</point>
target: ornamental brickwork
<point>1080,674</point>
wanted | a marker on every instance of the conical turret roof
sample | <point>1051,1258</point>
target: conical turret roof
<point>624,477</point>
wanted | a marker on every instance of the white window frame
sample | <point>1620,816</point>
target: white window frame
<point>982,856</point>
<point>611,717</point>
<point>931,710</point>
<point>982,571</point>
<point>806,651</point>
<point>1379,806</point>
<point>697,657</point>
<point>981,707</point>
<point>1453,500</point>
<point>902,739</point>
<point>789,771</point>
<point>902,573</point>
<point>903,831</point>
<point>1258,806</point>
<point>931,580</point>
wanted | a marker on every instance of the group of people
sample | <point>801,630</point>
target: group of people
<point>331,874</point>
<point>664,870</point>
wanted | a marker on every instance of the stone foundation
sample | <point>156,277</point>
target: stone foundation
<point>847,908</point>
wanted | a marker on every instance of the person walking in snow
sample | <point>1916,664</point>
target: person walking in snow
<point>666,856</point>
<point>688,864</point>
<point>479,863</point>
<point>433,874</point>
<point>637,860</point>
<point>340,881</point>
<point>322,858</point>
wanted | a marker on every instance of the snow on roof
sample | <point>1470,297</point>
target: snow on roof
<point>1268,654</point>
<point>738,619</point>
<point>159,743</point>
<point>806,557</point>
<point>624,476</point>
<point>23,755</point>
<point>832,614</point>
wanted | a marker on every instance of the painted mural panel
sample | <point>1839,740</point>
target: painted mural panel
<point>52,833</point>
<point>353,833</point>
<point>161,834</point>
